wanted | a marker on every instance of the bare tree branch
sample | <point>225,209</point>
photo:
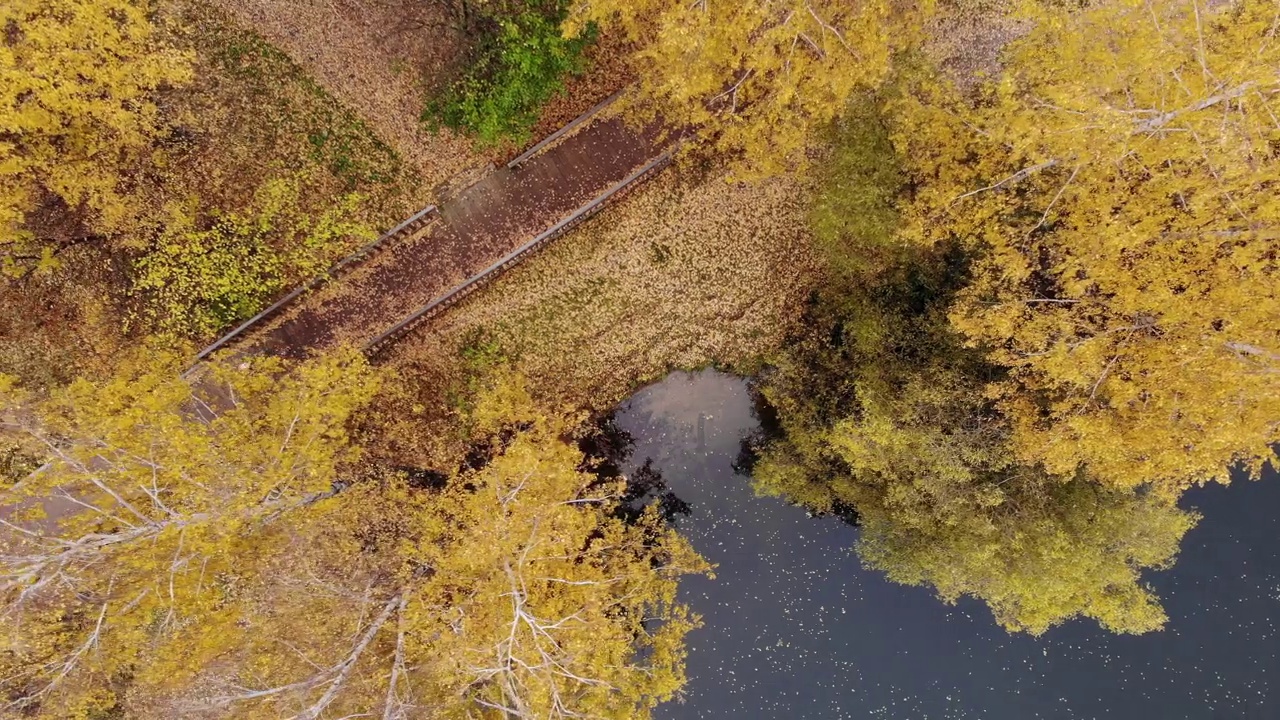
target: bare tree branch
<point>1159,121</point>
<point>1014,178</point>
<point>394,708</point>
<point>346,666</point>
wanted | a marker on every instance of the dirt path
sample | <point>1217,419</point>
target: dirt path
<point>482,224</point>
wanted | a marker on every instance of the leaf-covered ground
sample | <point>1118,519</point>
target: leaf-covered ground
<point>386,58</point>
<point>250,116</point>
<point>690,270</point>
<point>379,58</point>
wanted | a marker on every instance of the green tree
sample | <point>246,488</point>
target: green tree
<point>1041,553</point>
<point>884,410</point>
<point>520,63</point>
<point>77,80</point>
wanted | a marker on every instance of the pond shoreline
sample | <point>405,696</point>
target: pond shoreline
<point>794,627</point>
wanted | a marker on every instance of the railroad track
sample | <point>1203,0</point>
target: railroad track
<point>418,222</point>
<point>403,231</point>
<point>515,257</point>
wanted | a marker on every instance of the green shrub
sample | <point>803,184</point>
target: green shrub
<point>520,62</point>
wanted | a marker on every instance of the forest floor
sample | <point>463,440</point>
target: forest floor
<point>249,117</point>
<point>338,116</point>
<point>386,58</point>
<point>689,270</point>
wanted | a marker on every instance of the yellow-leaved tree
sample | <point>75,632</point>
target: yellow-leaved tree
<point>1119,182</point>
<point>243,567</point>
<point>77,79</point>
<point>150,516</point>
<point>755,78</point>
<point>509,591</point>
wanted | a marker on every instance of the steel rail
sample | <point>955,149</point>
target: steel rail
<point>458,292</point>
<point>588,115</point>
<point>404,229</point>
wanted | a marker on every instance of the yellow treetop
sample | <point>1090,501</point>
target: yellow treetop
<point>225,569</point>
<point>76,85</point>
<point>754,78</point>
<point>147,516</point>
<point>1118,186</point>
<point>509,591</point>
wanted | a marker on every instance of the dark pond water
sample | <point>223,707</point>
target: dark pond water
<point>796,629</point>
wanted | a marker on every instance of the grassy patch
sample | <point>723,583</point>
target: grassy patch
<point>281,113</point>
<point>336,139</point>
